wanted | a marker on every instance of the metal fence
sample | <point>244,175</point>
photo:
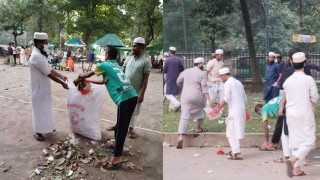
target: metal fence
<point>239,63</point>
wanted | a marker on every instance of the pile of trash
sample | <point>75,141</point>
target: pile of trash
<point>67,159</point>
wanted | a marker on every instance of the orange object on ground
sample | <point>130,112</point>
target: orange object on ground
<point>70,63</point>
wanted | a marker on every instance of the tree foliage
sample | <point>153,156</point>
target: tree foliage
<point>14,14</point>
<point>86,19</point>
<point>211,18</point>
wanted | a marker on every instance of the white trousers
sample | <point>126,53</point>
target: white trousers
<point>234,145</point>
<point>215,90</point>
<point>174,103</point>
<point>301,153</point>
<point>184,123</point>
<point>134,115</point>
<point>285,144</point>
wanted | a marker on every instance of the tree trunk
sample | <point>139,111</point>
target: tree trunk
<point>212,44</point>
<point>59,38</point>
<point>184,24</point>
<point>256,79</point>
<point>301,16</point>
<point>40,15</point>
<point>87,39</point>
<point>15,38</point>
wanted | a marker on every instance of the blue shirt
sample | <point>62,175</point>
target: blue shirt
<point>91,56</point>
<point>272,73</point>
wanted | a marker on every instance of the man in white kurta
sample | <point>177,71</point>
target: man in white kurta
<point>215,84</point>
<point>235,97</point>
<point>300,96</point>
<point>40,87</point>
<point>192,97</point>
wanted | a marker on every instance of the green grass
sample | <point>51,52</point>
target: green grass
<point>254,125</point>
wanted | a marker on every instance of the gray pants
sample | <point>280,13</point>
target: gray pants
<point>11,60</point>
<point>134,115</point>
<point>184,123</point>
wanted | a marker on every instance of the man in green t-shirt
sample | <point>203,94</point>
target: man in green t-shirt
<point>137,69</point>
<point>123,95</point>
<point>270,110</point>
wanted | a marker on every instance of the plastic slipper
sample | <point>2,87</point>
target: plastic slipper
<point>289,168</point>
<point>114,166</point>
<point>38,137</point>
<point>180,142</point>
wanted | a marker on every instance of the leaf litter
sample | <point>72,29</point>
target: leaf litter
<point>67,160</point>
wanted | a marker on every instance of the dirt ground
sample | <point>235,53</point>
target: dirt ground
<point>21,151</point>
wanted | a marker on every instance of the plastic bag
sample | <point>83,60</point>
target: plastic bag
<point>84,110</point>
<point>212,113</point>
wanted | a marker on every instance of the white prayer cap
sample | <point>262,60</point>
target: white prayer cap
<point>298,57</point>
<point>219,51</point>
<point>198,60</point>
<point>171,48</point>
<point>165,54</point>
<point>272,54</point>
<point>40,36</point>
<point>224,71</point>
<point>139,40</point>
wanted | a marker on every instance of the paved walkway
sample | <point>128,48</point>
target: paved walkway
<point>204,164</point>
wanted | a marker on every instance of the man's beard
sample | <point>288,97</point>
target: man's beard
<point>201,68</point>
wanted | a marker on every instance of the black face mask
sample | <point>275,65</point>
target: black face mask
<point>202,68</point>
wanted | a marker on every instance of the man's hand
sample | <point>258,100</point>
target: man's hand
<point>280,112</point>
<point>82,75</point>
<point>65,85</point>
<point>217,108</point>
<point>140,99</point>
<point>64,78</point>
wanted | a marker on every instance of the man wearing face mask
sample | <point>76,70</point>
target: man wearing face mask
<point>40,87</point>
<point>194,93</point>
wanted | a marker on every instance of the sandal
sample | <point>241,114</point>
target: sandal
<point>301,174</point>
<point>201,130</point>
<point>112,128</point>
<point>180,142</point>
<point>289,168</point>
<point>279,160</point>
<point>132,134</point>
<point>264,148</point>
<point>234,157</point>
<point>114,166</point>
<point>38,137</point>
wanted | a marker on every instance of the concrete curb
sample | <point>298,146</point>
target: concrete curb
<point>212,139</point>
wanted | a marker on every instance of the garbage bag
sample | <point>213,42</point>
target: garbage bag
<point>84,110</point>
